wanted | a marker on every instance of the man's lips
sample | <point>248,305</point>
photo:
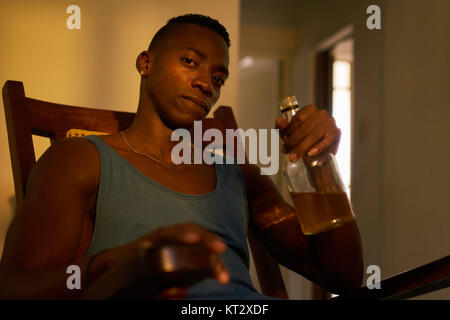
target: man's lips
<point>198,102</point>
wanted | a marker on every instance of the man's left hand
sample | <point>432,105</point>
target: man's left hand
<point>311,132</point>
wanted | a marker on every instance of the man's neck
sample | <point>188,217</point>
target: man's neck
<point>149,134</point>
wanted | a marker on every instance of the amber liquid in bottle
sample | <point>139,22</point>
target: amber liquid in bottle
<point>315,186</point>
<point>318,212</point>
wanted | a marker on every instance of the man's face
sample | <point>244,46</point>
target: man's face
<point>186,74</point>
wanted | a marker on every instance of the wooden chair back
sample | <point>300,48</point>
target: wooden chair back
<point>26,117</point>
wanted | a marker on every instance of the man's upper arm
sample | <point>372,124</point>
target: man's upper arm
<point>46,229</point>
<point>275,221</point>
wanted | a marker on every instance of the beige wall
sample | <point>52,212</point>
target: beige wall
<point>91,67</point>
<point>416,158</point>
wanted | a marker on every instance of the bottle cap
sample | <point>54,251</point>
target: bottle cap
<point>288,103</point>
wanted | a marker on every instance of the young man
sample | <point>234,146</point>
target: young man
<point>95,201</point>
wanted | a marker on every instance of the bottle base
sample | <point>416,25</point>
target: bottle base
<point>318,212</point>
<point>325,227</point>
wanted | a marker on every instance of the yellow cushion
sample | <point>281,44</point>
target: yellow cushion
<point>82,133</point>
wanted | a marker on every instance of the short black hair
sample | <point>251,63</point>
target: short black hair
<point>197,19</point>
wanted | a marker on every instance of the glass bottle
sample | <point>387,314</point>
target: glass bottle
<point>315,186</point>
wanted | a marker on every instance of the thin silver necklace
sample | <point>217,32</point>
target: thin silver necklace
<point>172,167</point>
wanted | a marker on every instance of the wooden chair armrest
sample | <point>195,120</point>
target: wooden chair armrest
<point>415,282</point>
<point>150,271</point>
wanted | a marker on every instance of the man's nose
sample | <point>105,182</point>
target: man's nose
<point>202,81</point>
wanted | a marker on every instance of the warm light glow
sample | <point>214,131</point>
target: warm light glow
<point>246,62</point>
<point>168,260</point>
<point>341,75</point>
<point>342,115</point>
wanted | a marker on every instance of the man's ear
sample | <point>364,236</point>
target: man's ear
<point>143,63</point>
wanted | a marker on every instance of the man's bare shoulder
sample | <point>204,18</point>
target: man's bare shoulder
<point>56,207</point>
<point>72,161</point>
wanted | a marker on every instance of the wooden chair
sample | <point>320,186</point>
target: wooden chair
<point>26,117</point>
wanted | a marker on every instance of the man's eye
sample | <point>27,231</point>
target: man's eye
<point>219,81</point>
<point>188,61</point>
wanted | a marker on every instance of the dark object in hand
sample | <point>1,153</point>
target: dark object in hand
<point>149,272</point>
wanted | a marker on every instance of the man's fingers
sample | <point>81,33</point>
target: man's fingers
<point>299,119</point>
<point>302,149</point>
<point>329,143</point>
<point>174,293</point>
<point>188,233</point>
<point>206,237</point>
<point>281,123</point>
<point>193,244</point>
<point>316,141</point>
<point>214,243</point>
<point>314,121</point>
<point>220,271</point>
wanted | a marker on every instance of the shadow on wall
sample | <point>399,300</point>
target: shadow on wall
<point>5,220</point>
<point>12,203</point>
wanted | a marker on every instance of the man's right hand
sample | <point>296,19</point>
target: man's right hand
<point>186,234</point>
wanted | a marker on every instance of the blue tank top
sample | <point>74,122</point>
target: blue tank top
<point>131,204</point>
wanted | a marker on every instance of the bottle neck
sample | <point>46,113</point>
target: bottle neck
<point>289,112</point>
